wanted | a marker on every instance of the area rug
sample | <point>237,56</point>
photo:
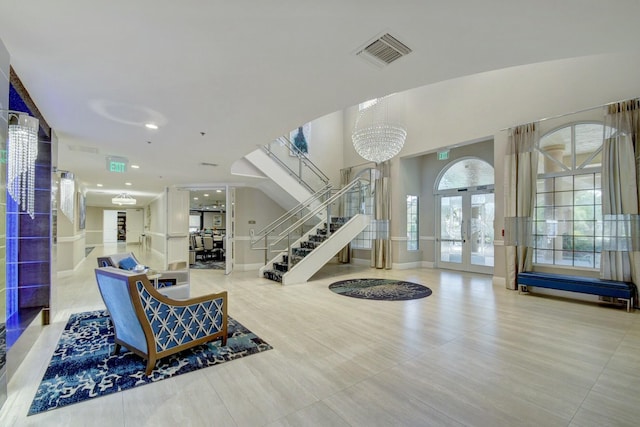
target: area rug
<point>380,289</point>
<point>212,265</point>
<point>83,365</point>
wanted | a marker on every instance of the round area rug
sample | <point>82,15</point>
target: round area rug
<point>380,289</point>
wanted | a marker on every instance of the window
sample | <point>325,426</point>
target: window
<point>567,227</point>
<point>412,223</point>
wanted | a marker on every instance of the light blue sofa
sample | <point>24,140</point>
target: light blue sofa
<point>154,326</point>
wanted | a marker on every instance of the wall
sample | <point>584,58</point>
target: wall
<point>156,220</point>
<point>4,104</point>
<point>70,239</point>
<point>477,108</point>
<point>93,226</point>
<point>252,205</point>
<point>325,145</point>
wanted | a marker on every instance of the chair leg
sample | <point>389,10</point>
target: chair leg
<point>151,363</point>
<point>116,350</point>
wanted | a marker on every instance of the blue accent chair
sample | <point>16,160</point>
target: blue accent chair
<point>154,326</point>
<point>178,270</point>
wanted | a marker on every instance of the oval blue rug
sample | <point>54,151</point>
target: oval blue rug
<point>380,289</point>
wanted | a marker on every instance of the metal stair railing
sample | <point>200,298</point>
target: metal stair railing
<point>313,213</point>
<point>286,218</point>
<point>290,158</point>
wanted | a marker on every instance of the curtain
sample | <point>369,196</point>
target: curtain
<point>521,169</point>
<point>381,247</point>
<point>620,154</point>
<point>344,256</point>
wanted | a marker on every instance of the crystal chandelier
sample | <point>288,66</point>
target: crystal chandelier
<point>375,137</point>
<point>67,193</point>
<point>22,151</point>
<point>123,199</point>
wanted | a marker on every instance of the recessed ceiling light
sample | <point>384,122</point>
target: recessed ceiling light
<point>135,167</point>
<point>127,183</point>
<point>99,185</point>
<point>218,191</point>
<point>195,198</point>
<point>151,126</point>
<point>206,195</point>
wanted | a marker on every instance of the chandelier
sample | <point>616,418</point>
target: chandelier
<point>22,151</point>
<point>123,199</point>
<point>376,138</point>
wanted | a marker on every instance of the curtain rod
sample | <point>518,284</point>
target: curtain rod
<point>568,114</point>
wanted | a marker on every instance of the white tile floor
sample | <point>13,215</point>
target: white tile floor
<point>470,354</point>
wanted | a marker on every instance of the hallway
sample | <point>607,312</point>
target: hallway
<point>470,354</point>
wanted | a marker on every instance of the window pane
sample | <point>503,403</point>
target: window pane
<point>584,182</point>
<point>556,145</point>
<point>467,173</point>
<point>581,213</point>
<point>583,197</point>
<point>564,183</point>
<point>564,198</point>
<point>545,185</point>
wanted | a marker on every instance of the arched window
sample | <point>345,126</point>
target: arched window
<point>568,215</point>
<point>466,173</point>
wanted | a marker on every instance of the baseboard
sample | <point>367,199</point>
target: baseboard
<point>428,264</point>
<point>406,265</point>
<point>360,261</point>
<point>248,267</point>
<point>499,281</point>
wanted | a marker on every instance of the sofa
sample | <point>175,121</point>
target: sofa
<point>173,282</point>
<point>154,326</point>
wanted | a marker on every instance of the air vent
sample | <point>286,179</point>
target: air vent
<point>83,149</point>
<point>208,164</point>
<point>384,50</point>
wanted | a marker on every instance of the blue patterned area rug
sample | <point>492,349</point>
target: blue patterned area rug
<point>380,289</point>
<point>208,264</point>
<point>83,365</point>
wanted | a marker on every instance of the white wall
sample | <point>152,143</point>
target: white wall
<point>478,107</point>
<point>70,239</point>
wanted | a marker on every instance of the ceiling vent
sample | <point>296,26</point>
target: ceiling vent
<point>83,149</point>
<point>208,164</point>
<point>383,50</point>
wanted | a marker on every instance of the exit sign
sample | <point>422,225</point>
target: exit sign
<point>117,164</point>
<point>443,155</point>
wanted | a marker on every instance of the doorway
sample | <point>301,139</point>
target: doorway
<point>112,230</point>
<point>466,232</point>
<point>466,211</point>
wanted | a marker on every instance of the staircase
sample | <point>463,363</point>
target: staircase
<point>314,250</point>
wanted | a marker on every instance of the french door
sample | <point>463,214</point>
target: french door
<point>465,238</point>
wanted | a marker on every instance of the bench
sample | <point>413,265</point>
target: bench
<point>586,285</point>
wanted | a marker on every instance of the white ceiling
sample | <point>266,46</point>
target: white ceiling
<point>220,78</point>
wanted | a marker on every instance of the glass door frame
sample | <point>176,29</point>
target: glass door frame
<point>466,249</point>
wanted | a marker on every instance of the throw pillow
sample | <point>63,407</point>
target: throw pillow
<point>127,264</point>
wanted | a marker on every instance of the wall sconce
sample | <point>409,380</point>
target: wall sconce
<point>67,193</point>
<point>22,151</point>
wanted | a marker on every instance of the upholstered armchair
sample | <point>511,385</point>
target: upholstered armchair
<point>154,326</point>
<point>173,282</point>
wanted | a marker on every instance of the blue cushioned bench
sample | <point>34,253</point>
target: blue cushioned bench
<point>586,285</point>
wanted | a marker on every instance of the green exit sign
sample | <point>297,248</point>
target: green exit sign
<point>117,164</point>
<point>443,155</point>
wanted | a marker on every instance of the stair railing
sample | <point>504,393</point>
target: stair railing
<point>355,185</point>
<point>297,211</point>
<point>290,158</point>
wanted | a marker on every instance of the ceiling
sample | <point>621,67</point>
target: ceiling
<point>221,78</point>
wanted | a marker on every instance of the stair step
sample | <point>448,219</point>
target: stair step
<point>273,275</point>
<point>317,238</point>
<point>310,244</point>
<point>301,252</point>
<point>281,266</point>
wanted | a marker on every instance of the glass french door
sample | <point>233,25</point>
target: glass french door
<point>465,239</point>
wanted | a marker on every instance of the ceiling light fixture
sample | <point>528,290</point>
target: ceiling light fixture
<point>135,167</point>
<point>375,137</point>
<point>151,126</point>
<point>127,183</point>
<point>123,199</point>
<point>98,185</point>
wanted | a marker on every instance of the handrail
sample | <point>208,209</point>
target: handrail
<point>291,212</point>
<point>285,234</point>
<point>324,178</point>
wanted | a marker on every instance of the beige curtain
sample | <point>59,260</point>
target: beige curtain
<point>381,247</point>
<point>620,160</point>
<point>521,169</point>
<point>344,256</point>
